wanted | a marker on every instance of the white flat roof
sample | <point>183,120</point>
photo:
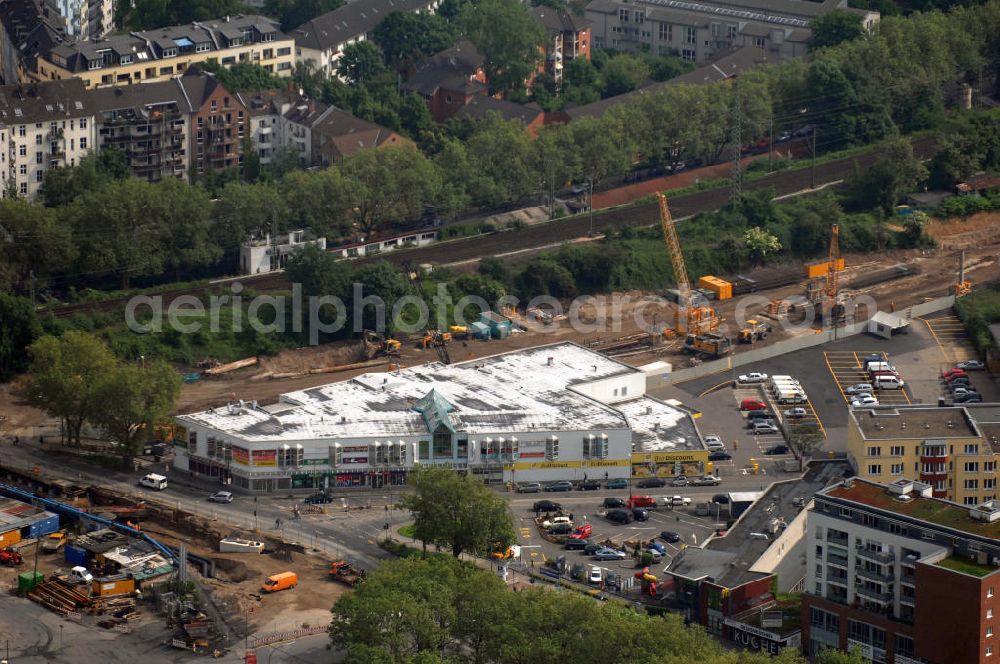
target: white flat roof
<point>512,392</point>
<point>658,427</point>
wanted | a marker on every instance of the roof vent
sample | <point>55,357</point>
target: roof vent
<point>902,425</point>
<point>927,425</point>
<point>951,425</point>
<point>551,360</point>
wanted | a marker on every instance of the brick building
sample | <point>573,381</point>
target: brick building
<point>569,37</point>
<point>219,123</point>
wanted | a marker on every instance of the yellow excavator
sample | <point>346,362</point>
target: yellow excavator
<point>378,345</point>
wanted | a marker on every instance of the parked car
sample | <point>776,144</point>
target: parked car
<point>720,498</point>
<point>706,480</point>
<point>777,449</point>
<point>576,544</point>
<point>752,378</point>
<point>971,365</point>
<point>549,523</point>
<point>318,499</point>
<point>640,514</point>
<point>670,536</point>
<point>720,456</point>
<point>962,391</point>
<point>753,404</point>
<point>592,548</point>
<point>561,529</point>
<point>221,497</point>
<point>763,428</point>
<point>589,485</point>
<point>612,581</point>
<point>969,397</point>
<point>618,483</point>
<point>957,371</point>
<point>582,532</point>
<point>79,575</point>
<point>961,381</point>
<point>607,553</point>
<point>578,571</point>
<point>640,501</point>
<point>564,485</point>
<point>796,413</point>
<point>659,548</point>
<point>751,423</point>
<point>613,503</point>
<point>864,401</point>
<point>714,442</point>
<point>652,483</point>
<point>619,516</point>
<point>677,501</point>
<point>759,415</point>
<point>596,576</point>
<point>860,388</point>
<point>529,487</point>
<point>546,506</point>
<point>680,480</point>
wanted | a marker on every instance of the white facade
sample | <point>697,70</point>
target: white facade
<point>87,19</point>
<point>271,252</point>
<point>34,147</point>
<point>521,416</point>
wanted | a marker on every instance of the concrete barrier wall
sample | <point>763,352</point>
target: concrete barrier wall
<point>799,343</point>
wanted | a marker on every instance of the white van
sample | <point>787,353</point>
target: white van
<point>888,382</point>
<point>154,481</point>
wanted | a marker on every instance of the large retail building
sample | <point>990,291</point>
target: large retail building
<point>547,413</point>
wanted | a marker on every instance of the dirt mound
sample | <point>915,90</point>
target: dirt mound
<point>303,359</point>
<point>957,233</point>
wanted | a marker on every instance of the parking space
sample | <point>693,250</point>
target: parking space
<point>759,445</point>
<point>951,337</point>
<point>847,369</point>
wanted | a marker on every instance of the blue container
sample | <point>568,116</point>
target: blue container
<point>44,526</point>
<point>75,556</point>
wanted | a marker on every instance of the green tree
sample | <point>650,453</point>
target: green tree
<point>65,373</point>
<point>761,243</point>
<point>151,14</point>
<point>834,28</point>
<point>555,161</point>
<point>382,282</point>
<point>362,63</point>
<point>243,211</point>
<point>132,400</point>
<point>64,184</point>
<point>502,154</point>
<point>389,185</point>
<point>242,76</point>
<point>458,511</point>
<point>508,37</point>
<point>34,240</point>
<point>293,13</point>
<point>955,160</point>
<point>543,276</point>
<point>183,213</point>
<point>407,37</point>
<point>897,171</point>
<point>18,330</point>
<point>622,74</point>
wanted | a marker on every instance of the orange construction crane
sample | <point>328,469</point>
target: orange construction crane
<point>691,319</point>
<point>834,264</point>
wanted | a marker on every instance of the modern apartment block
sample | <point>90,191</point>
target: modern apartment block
<point>42,126</point>
<point>157,55</point>
<point>954,449</point>
<point>319,43</point>
<point>696,30</point>
<point>88,19</point>
<point>901,575</point>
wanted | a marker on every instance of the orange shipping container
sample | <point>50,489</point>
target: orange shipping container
<point>113,585</point>
<point>722,288</point>
<point>9,538</point>
<point>817,270</point>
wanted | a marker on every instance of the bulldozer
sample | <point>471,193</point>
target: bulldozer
<point>755,330</point>
<point>378,345</point>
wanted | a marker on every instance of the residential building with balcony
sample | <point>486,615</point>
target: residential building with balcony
<point>262,254</point>
<point>448,80</point>
<point>158,55</point>
<point>955,449</point>
<point>901,575</point>
<point>42,126</point>
<point>218,126</point>
<point>569,37</point>
<point>696,30</point>
<point>87,19</point>
<point>27,28</point>
<point>320,42</point>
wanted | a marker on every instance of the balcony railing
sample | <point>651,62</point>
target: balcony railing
<point>877,556</point>
<point>878,596</point>
<point>834,559</point>
<point>834,538</point>
<point>873,576</point>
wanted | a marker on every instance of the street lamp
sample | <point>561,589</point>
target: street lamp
<point>590,186</point>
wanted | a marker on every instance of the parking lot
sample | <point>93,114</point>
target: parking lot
<point>951,337</point>
<point>847,369</point>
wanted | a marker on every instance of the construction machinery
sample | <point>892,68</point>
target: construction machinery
<point>342,571</point>
<point>963,286</point>
<point>378,345</point>
<point>10,557</point>
<point>439,341</point>
<point>709,344</point>
<point>755,330</point>
<point>691,319</point>
<point>458,331</point>
<point>823,289</point>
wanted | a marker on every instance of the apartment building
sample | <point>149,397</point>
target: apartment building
<point>27,28</point>
<point>901,575</point>
<point>696,30</point>
<point>284,123</point>
<point>321,41</point>
<point>219,123</point>
<point>42,126</point>
<point>87,19</point>
<point>158,55</point>
<point>448,80</point>
<point>569,37</point>
<point>954,449</point>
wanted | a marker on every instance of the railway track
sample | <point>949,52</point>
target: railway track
<point>548,234</point>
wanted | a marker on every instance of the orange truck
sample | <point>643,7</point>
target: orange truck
<point>282,581</point>
<point>341,570</point>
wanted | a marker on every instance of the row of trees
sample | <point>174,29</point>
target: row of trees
<point>76,378</point>
<point>438,610</point>
<point>151,14</point>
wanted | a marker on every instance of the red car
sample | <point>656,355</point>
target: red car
<point>583,532</point>
<point>640,501</point>
<point>951,373</point>
<point>753,404</point>
<point>953,376</point>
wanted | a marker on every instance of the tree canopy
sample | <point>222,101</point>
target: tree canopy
<point>510,40</point>
<point>835,28</point>
<point>458,511</point>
